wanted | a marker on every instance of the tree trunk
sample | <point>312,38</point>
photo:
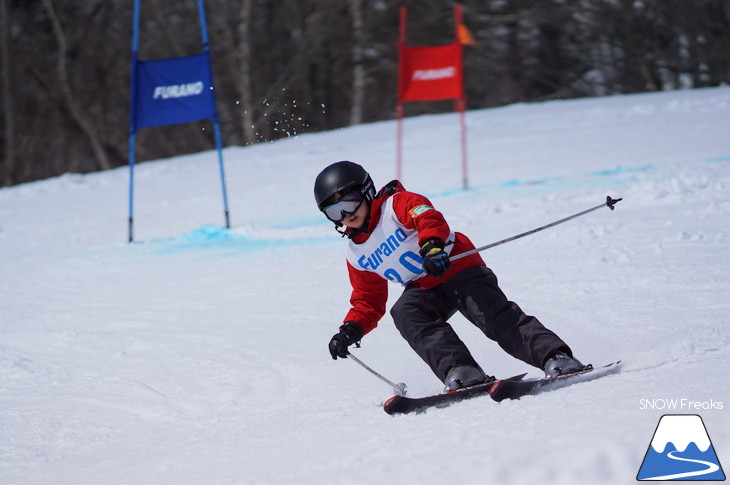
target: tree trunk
<point>7,166</point>
<point>167,34</point>
<point>70,102</point>
<point>358,75</point>
<point>245,84</point>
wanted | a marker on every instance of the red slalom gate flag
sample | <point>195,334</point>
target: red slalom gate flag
<point>431,73</point>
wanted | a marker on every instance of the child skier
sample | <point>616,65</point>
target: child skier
<point>397,235</point>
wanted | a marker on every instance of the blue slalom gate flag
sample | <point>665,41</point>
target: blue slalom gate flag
<point>168,92</point>
<point>175,90</point>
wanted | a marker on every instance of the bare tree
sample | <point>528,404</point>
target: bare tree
<point>70,102</point>
<point>358,74</point>
<point>283,67</point>
<point>7,166</point>
<point>245,85</point>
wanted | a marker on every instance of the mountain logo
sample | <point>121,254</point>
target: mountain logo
<point>681,450</point>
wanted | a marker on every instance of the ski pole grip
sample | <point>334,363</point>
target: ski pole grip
<point>611,202</point>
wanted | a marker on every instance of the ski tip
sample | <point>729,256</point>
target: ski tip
<point>391,405</point>
<point>494,387</point>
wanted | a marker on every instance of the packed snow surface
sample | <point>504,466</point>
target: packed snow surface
<point>198,355</point>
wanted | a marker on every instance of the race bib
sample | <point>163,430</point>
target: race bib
<point>391,250</point>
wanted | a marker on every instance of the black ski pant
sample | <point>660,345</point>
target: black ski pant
<point>421,315</point>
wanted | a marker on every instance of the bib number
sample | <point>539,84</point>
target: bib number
<point>412,264</point>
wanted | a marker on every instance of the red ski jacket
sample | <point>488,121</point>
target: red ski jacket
<point>414,215</point>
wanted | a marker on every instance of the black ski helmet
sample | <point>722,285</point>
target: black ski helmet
<point>342,177</point>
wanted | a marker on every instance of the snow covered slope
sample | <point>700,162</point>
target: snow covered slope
<point>198,355</point>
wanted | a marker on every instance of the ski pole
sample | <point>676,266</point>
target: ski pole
<point>400,389</point>
<point>609,203</point>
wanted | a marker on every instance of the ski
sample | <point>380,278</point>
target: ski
<point>406,405</point>
<point>515,389</point>
<point>511,388</point>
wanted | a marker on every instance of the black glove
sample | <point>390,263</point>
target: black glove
<point>435,260</point>
<point>350,333</point>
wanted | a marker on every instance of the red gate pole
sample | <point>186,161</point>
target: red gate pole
<point>460,102</point>
<point>399,109</point>
<point>399,140</point>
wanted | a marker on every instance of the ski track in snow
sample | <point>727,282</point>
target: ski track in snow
<point>198,355</point>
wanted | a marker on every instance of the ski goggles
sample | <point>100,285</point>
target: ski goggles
<point>346,206</point>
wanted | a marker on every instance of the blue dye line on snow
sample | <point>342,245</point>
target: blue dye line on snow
<point>619,170</point>
<point>214,237</point>
<point>211,237</point>
<point>719,159</point>
<point>542,181</point>
<point>617,175</point>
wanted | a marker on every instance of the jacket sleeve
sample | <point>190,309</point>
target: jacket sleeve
<point>368,300</point>
<point>416,212</point>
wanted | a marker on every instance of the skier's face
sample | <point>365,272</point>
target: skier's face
<point>349,209</point>
<point>357,220</point>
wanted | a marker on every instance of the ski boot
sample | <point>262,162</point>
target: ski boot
<point>561,363</point>
<point>465,376</point>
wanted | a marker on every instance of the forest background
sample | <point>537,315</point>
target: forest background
<point>286,67</point>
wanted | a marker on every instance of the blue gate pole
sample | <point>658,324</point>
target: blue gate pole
<point>217,129</point>
<point>216,124</point>
<point>133,117</point>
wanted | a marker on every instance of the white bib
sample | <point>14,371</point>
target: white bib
<point>391,250</point>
